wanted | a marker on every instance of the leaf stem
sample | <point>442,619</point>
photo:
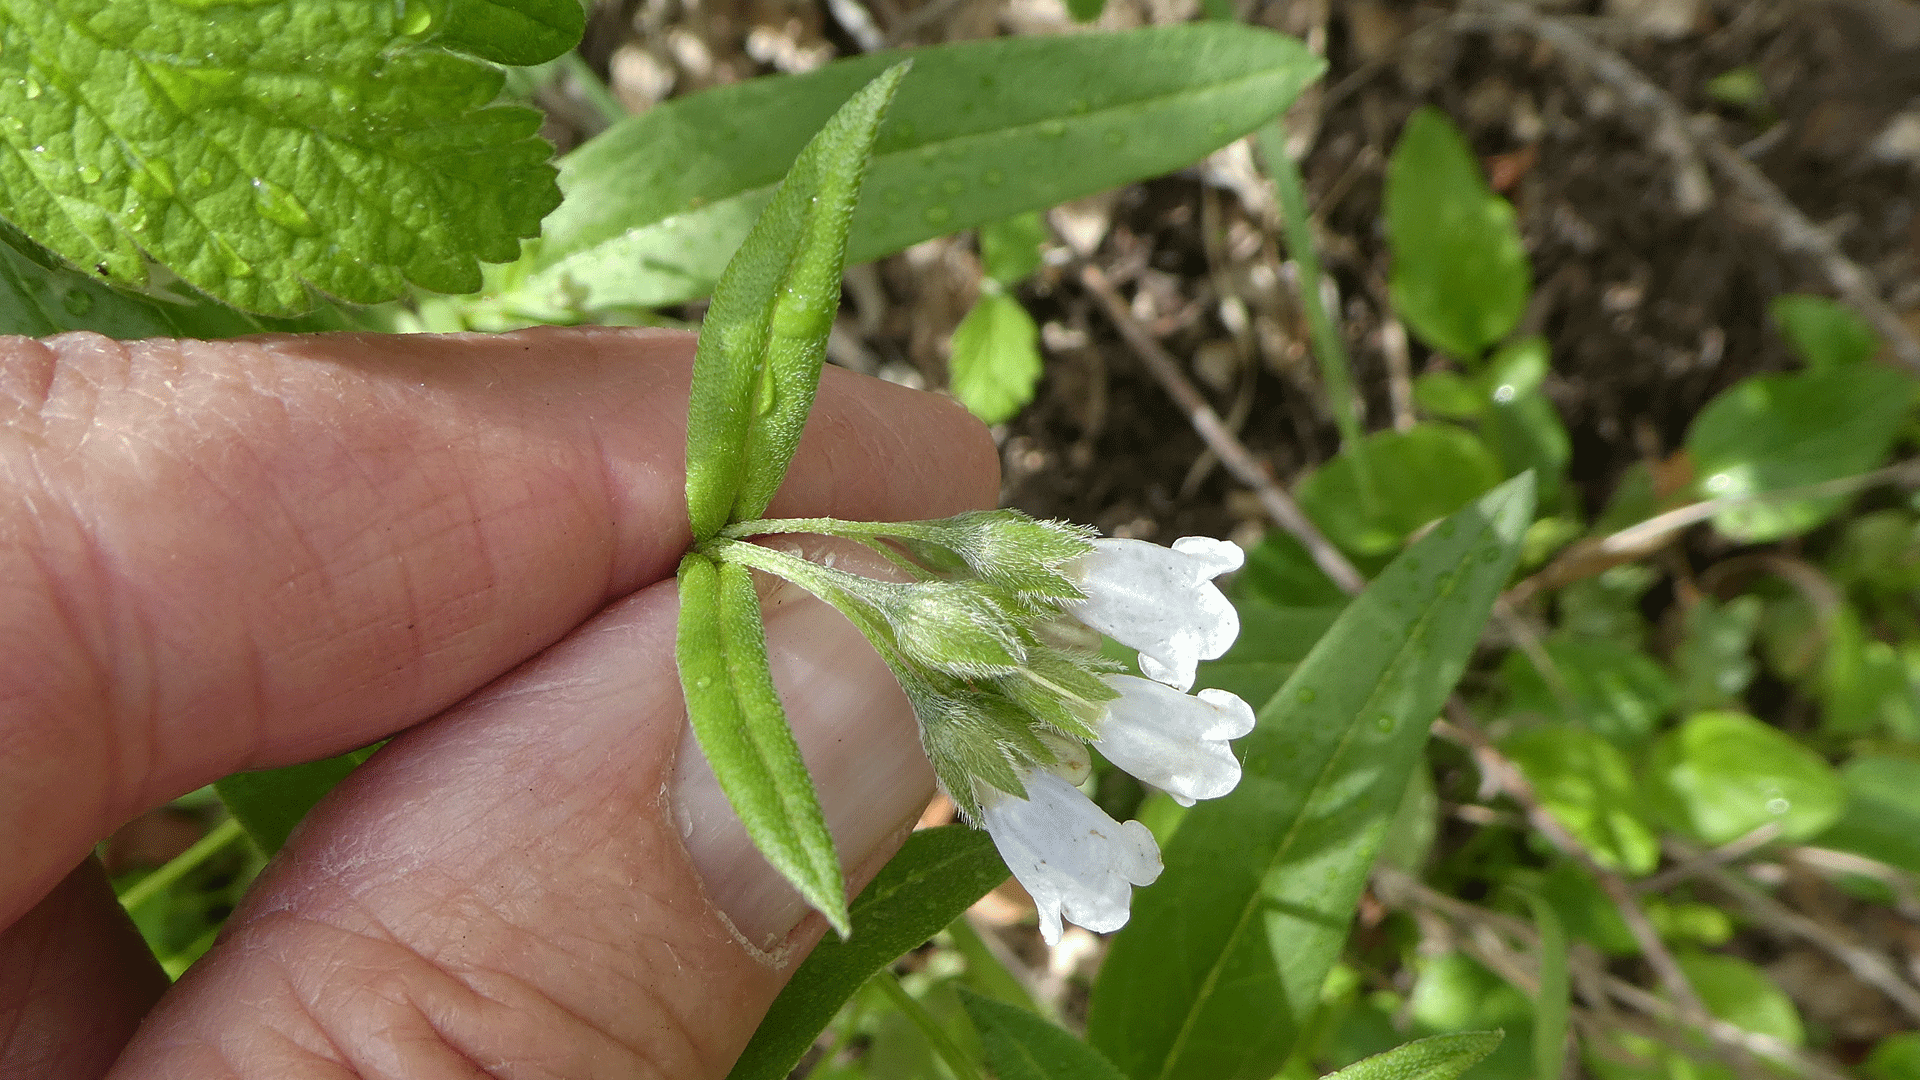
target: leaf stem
<point>1328,348</point>
<point>956,1060</point>
<point>182,864</point>
<point>586,82</point>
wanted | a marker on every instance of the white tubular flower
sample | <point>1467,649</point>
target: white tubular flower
<point>1174,742</point>
<point>1161,601</point>
<point>1076,862</point>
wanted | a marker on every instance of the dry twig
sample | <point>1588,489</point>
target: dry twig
<point>1239,461</point>
<point>1867,965</point>
<point>1461,727</point>
<point>1791,229</point>
<point>1400,890</point>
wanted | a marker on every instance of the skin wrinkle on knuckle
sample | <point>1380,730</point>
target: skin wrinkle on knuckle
<point>433,1008</point>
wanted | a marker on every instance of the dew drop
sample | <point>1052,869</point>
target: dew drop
<point>1115,139</point>
<point>77,302</point>
<point>1778,805</point>
<point>416,18</point>
<point>33,88</point>
<point>993,178</point>
<point>1383,722</point>
<point>89,172</point>
<point>201,177</point>
<point>1218,129</point>
<point>1053,129</point>
<point>937,215</point>
<point>953,185</point>
<point>279,206</point>
<point>1307,694</point>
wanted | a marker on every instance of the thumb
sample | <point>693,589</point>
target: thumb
<point>529,886</point>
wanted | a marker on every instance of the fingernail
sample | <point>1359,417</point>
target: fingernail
<point>859,740</point>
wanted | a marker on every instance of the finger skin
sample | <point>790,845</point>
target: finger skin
<point>503,892</point>
<point>237,555</point>
<point>75,979</point>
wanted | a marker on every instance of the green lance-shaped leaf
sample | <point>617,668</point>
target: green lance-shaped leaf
<point>266,149</point>
<point>935,878</point>
<point>736,715</point>
<point>1022,1046</point>
<point>984,130</point>
<point>765,334</point>
<point>269,803</point>
<point>1226,953</point>
<point>1552,1002</point>
<point>1441,1057</point>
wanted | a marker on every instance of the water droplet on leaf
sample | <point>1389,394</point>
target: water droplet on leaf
<point>993,178</point>
<point>89,172</point>
<point>279,206</point>
<point>77,302</point>
<point>1306,695</point>
<point>938,215</point>
<point>953,185</point>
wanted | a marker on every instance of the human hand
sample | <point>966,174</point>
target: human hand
<point>240,555</point>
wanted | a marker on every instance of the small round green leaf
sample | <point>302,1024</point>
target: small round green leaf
<point>1721,775</point>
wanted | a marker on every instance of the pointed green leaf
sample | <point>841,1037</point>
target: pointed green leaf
<point>1225,954</point>
<point>935,878</point>
<point>1825,334</point>
<point>1552,1002</point>
<point>267,149</point>
<point>996,358</point>
<point>1022,1046</point>
<point>984,130</point>
<point>765,334</point>
<point>268,804</point>
<point>1460,276</point>
<point>1441,1057</point>
<point>742,729</point>
<point>1772,433</point>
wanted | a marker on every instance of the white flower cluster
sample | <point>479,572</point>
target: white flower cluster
<point>996,644</point>
<point>1076,862</point>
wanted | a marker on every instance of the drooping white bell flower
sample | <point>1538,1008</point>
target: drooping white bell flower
<point>1175,742</point>
<point>1161,601</point>
<point>1077,863</point>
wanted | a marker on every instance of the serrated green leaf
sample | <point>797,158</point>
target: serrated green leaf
<point>268,804</point>
<point>1825,334</point>
<point>1721,775</point>
<point>1773,433</point>
<point>1225,955</point>
<point>765,334</point>
<point>517,32</point>
<point>40,297</point>
<point>1439,1057</point>
<point>1418,476</point>
<point>996,358</point>
<point>261,151</point>
<point>984,130</point>
<point>1460,276</point>
<point>937,875</point>
<point>1022,1046</point>
<point>737,718</point>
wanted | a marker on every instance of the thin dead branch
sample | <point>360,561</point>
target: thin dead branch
<point>1239,461</point>
<point>1791,229</point>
